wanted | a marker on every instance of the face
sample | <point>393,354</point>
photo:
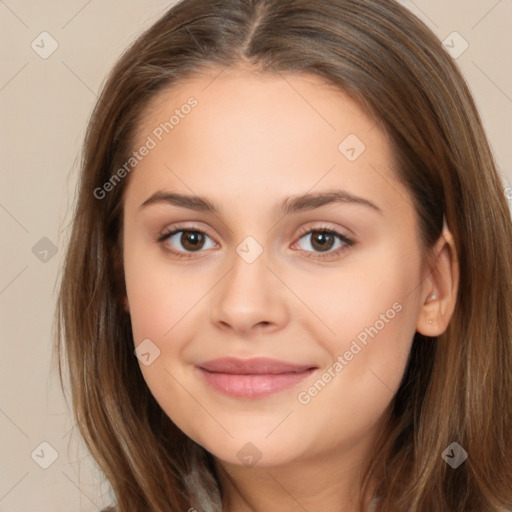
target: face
<point>265,224</point>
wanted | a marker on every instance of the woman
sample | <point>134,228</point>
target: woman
<point>364,368</point>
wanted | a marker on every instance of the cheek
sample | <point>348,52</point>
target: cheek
<point>365,292</point>
<point>353,392</point>
<point>161,300</point>
<point>372,311</point>
<point>159,296</point>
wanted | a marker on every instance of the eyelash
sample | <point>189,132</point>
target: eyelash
<point>348,242</point>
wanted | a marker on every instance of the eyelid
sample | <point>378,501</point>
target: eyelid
<point>337,232</point>
<point>308,228</point>
<point>183,226</point>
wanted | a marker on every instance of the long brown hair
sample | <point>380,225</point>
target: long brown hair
<point>457,388</point>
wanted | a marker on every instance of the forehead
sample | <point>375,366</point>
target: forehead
<point>304,105</point>
<point>283,132</point>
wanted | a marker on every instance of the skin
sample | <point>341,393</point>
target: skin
<point>252,141</point>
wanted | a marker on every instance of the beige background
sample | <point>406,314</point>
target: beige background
<point>44,105</point>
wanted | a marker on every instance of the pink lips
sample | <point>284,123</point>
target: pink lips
<point>252,378</point>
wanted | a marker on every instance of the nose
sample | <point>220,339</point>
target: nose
<point>250,298</point>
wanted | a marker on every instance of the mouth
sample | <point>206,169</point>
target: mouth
<point>252,378</point>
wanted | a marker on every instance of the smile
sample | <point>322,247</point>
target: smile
<point>252,378</point>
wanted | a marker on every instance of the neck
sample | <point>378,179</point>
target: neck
<point>328,482</point>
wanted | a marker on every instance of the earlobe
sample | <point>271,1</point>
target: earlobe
<point>439,291</point>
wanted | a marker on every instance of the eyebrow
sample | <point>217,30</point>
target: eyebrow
<point>292,204</point>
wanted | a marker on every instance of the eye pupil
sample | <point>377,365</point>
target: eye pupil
<point>192,240</point>
<point>322,240</point>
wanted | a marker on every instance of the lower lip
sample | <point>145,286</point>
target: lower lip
<point>253,386</point>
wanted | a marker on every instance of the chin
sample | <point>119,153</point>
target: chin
<point>254,450</point>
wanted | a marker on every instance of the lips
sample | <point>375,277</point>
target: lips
<point>255,366</point>
<point>252,378</point>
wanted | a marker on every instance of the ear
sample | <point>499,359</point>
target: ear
<point>439,289</point>
<point>126,304</point>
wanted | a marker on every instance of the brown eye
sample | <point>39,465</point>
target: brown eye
<point>183,241</point>
<point>192,240</point>
<point>324,243</point>
<point>322,240</point>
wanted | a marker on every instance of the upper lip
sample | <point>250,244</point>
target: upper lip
<point>254,366</point>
